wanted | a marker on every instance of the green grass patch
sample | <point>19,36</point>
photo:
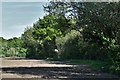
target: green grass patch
<point>94,64</point>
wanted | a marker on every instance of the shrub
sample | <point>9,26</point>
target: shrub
<point>68,46</point>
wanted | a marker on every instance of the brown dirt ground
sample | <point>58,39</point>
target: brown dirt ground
<point>42,69</point>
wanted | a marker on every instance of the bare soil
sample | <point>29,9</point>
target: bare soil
<point>42,69</point>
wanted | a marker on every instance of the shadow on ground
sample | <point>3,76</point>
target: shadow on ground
<point>80,72</point>
<point>56,72</point>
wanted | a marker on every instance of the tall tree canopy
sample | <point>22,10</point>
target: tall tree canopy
<point>98,22</point>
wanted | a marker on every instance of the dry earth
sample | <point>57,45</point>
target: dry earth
<point>28,69</point>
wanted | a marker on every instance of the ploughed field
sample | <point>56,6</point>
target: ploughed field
<point>31,69</point>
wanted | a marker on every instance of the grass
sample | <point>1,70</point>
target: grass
<point>94,64</point>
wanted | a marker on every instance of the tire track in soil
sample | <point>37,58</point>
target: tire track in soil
<point>27,69</point>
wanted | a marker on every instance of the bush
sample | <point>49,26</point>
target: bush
<point>114,54</point>
<point>73,46</point>
<point>67,46</point>
<point>21,52</point>
<point>94,52</point>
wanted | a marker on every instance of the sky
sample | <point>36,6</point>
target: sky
<point>16,16</point>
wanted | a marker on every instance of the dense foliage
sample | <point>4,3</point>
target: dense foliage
<point>99,24</point>
<point>12,48</point>
<point>72,30</point>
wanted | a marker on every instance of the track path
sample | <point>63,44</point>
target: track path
<point>42,69</point>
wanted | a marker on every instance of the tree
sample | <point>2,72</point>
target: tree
<point>47,29</point>
<point>99,23</point>
<point>29,43</point>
